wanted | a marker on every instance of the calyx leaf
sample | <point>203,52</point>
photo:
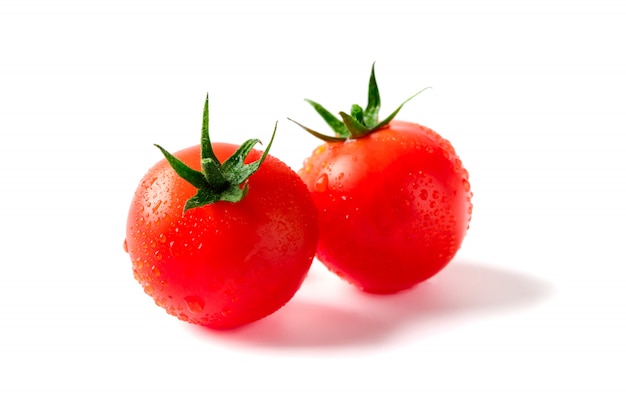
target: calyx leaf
<point>360,122</point>
<point>217,181</point>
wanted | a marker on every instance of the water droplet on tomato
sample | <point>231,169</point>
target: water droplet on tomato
<point>466,185</point>
<point>125,246</point>
<point>162,238</point>
<point>423,194</point>
<point>195,304</point>
<point>457,165</point>
<point>147,287</point>
<point>321,184</point>
<point>155,271</point>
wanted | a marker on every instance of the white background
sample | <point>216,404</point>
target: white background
<point>530,315</point>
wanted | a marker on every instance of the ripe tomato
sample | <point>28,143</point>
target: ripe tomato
<point>393,199</point>
<point>228,262</point>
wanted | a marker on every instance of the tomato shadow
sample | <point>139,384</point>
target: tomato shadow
<point>461,291</point>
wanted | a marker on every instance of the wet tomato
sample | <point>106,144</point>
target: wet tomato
<point>393,198</point>
<point>226,245</point>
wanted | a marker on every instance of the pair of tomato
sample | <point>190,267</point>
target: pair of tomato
<point>223,236</point>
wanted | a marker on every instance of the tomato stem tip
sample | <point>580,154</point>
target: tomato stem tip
<point>217,181</point>
<point>360,122</point>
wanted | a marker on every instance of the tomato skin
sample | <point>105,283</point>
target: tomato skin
<point>393,206</point>
<point>225,264</point>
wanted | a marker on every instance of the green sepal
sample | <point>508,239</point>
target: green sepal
<point>235,160</point>
<point>217,181</point>
<point>235,170</point>
<point>202,198</point>
<point>336,124</point>
<point>323,137</point>
<point>356,128</point>
<point>193,177</point>
<point>360,122</point>
<point>206,149</point>
<point>213,174</point>
<point>357,113</point>
<point>394,113</point>
<point>373,101</point>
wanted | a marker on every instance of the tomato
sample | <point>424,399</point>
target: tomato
<point>393,198</point>
<point>228,262</point>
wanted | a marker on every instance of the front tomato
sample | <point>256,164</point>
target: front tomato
<point>226,263</point>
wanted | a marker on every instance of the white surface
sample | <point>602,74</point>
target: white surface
<point>529,317</point>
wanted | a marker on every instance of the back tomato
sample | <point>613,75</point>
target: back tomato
<point>224,264</point>
<point>394,205</point>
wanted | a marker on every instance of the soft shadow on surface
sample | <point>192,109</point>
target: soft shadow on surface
<point>459,290</point>
<point>303,323</point>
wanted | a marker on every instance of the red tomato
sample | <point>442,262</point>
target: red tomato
<point>394,204</point>
<point>224,264</point>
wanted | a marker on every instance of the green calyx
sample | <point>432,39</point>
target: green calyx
<point>217,181</point>
<point>360,122</point>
